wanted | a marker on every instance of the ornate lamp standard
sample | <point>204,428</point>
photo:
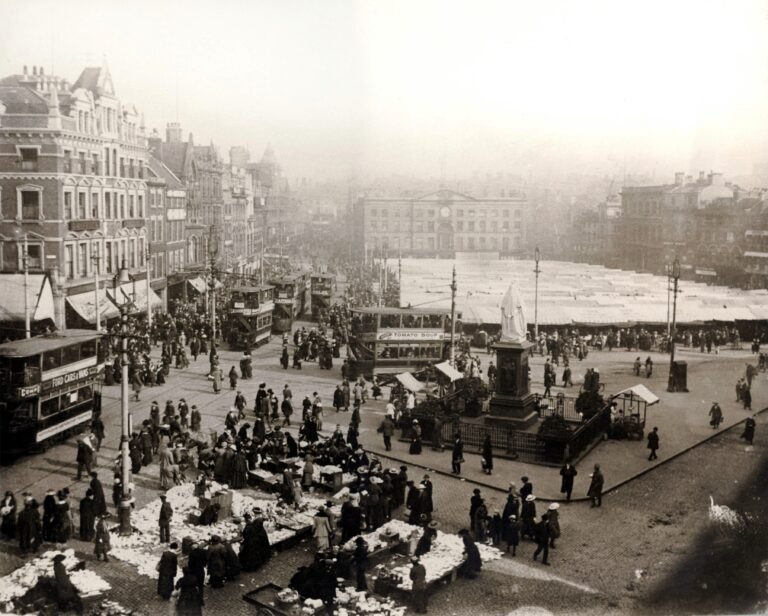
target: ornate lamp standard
<point>126,498</point>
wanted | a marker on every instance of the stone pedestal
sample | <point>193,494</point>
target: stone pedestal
<point>512,402</point>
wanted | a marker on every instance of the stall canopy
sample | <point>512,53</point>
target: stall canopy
<point>136,294</point>
<point>85,305</point>
<point>449,371</point>
<point>409,381</point>
<point>641,392</point>
<point>39,297</point>
<point>198,284</point>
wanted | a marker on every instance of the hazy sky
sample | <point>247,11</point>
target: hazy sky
<point>339,87</point>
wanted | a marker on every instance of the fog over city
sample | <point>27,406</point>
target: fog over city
<point>343,89</point>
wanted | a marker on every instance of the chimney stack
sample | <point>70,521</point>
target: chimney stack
<point>702,176</point>
<point>25,70</point>
<point>679,178</point>
<point>173,132</point>
<point>34,71</point>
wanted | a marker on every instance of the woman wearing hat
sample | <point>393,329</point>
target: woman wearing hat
<point>528,517</point>
<point>415,448</point>
<point>8,516</point>
<point>554,523</point>
<point>66,593</point>
<point>322,530</point>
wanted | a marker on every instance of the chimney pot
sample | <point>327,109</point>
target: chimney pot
<point>25,70</point>
<point>34,70</point>
<point>41,71</point>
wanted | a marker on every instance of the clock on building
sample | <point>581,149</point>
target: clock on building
<point>445,211</point>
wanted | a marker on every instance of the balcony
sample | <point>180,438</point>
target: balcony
<point>134,223</point>
<point>84,225</point>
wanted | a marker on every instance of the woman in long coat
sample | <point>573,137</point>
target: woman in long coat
<point>487,455</point>
<point>166,468</point>
<point>66,593</point>
<point>255,549</point>
<point>239,471</point>
<point>217,562</point>
<point>136,384</point>
<point>87,516</point>
<point>554,523</point>
<point>63,518</point>
<point>472,564</point>
<point>568,472</point>
<point>322,530</point>
<point>415,448</point>
<point>8,515</point>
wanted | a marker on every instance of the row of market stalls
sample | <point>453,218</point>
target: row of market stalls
<point>574,294</point>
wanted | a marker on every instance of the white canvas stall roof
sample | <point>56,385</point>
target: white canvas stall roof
<point>85,305</point>
<point>409,381</point>
<point>759,310</point>
<point>39,297</point>
<point>139,302</point>
<point>760,255</point>
<point>449,371</point>
<point>641,392</point>
<point>198,284</point>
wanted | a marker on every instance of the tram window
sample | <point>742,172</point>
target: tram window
<point>50,406</point>
<point>70,354</point>
<point>390,320</point>
<point>84,393</point>
<point>88,349</point>
<point>52,359</point>
<point>410,320</point>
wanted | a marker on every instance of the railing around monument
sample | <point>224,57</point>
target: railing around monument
<point>523,446</point>
<point>587,433</point>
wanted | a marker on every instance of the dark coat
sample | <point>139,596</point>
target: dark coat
<point>255,549</point>
<point>166,569</point>
<point>653,441</point>
<point>217,560</point>
<point>190,602</point>
<point>596,485</point>
<point>487,455</point>
<point>566,483</point>
<point>87,518</point>
<point>99,501</point>
<point>458,450</point>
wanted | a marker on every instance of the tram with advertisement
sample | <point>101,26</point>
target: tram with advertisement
<point>322,286</point>
<point>291,300</point>
<point>249,316</point>
<point>393,340</point>
<point>49,388</point>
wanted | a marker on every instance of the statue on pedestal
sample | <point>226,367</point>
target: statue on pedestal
<point>513,323</point>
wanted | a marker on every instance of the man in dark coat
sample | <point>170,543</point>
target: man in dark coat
<point>99,500</point>
<point>84,458</point>
<point>418,575</point>
<point>190,587</point>
<point>457,457</point>
<point>351,520</point>
<point>653,443</point>
<point>568,473</point>
<point>542,534</point>
<point>28,527</point>
<point>526,489</point>
<point>595,491</point>
<point>164,521</point>
<point>749,430</point>
<point>198,559</point>
<point>401,486</point>
<point>66,594</point>
<point>472,564</point>
<point>217,562</point>
<point>166,569</point>
<point>87,516</point>
<point>387,429</point>
<point>97,428</point>
<point>49,514</point>
<point>474,503</point>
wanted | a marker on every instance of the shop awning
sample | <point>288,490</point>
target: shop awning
<point>136,294</point>
<point>759,255</point>
<point>641,392</point>
<point>198,284</point>
<point>449,371</point>
<point>84,304</point>
<point>39,297</point>
<point>409,381</point>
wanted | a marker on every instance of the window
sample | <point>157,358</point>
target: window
<point>28,159</point>
<point>34,256</point>
<point>95,206</point>
<point>81,163</point>
<point>141,206</point>
<point>482,225</point>
<point>68,205</point>
<point>122,207</point>
<point>67,161</point>
<point>50,406</point>
<point>431,226</point>
<point>108,256</point>
<point>132,254</point>
<point>82,260</point>
<point>30,202</point>
<point>460,225</point>
<point>96,254</point>
<point>460,213</point>
<point>69,261</point>
<point>506,213</point>
<point>471,213</point>
<point>107,205</point>
<point>131,204</point>
<point>471,225</point>
<point>95,164</point>
<point>82,214</point>
<point>141,252</point>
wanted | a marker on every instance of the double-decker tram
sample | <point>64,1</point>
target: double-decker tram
<point>249,316</point>
<point>47,388</point>
<point>291,300</point>
<point>322,291</point>
<point>393,340</point>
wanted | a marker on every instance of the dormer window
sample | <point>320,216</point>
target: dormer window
<point>29,157</point>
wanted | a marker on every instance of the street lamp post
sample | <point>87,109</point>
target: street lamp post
<point>147,258</point>
<point>537,271</point>
<point>124,512</point>
<point>672,381</point>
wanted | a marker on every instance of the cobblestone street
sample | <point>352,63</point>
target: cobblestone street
<point>645,526</point>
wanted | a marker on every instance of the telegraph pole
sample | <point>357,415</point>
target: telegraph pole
<point>124,511</point>
<point>537,271</point>
<point>672,384</point>
<point>453,315</point>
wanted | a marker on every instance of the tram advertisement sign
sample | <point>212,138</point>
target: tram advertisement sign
<point>408,335</point>
<point>58,382</point>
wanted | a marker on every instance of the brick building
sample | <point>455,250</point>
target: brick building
<point>73,161</point>
<point>440,223</point>
<point>594,234</point>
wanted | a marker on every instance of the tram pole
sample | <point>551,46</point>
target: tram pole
<point>96,259</point>
<point>453,316</point>
<point>27,324</point>
<point>147,259</point>
<point>124,512</point>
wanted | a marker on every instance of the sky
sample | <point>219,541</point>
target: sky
<point>344,88</point>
